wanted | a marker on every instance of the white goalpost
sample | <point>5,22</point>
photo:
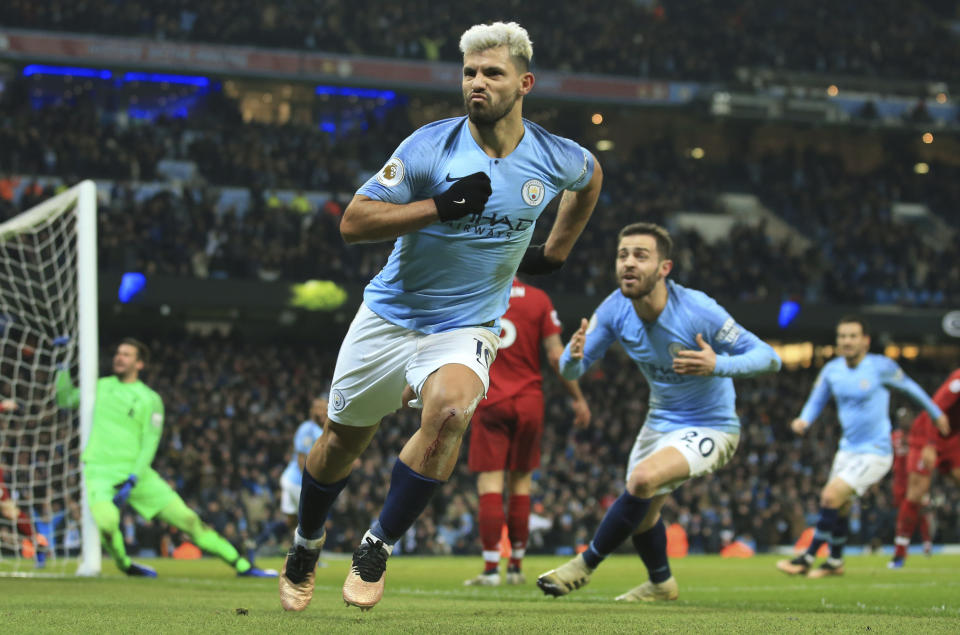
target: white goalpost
<point>48,320</point>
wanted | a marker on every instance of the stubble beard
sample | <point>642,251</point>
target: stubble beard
<point>487,118</point>
<point>643,289</point>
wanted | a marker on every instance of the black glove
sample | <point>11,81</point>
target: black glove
<point>536,263</point>
<point>467,196</point>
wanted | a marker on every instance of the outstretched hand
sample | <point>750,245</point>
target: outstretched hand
<point>696,362</point>
<point>799,426</point>
<point>578,339</point>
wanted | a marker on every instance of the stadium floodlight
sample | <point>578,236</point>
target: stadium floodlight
<point>48,297</point>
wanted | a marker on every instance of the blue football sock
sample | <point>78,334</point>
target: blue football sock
<point>824,531</point>
<point>407,497</point>
<point>838,540</point>
<point>651,545</point>
<point>316,499</point>
<point>618,523</point>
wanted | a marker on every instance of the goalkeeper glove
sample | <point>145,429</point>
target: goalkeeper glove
<point>467,196</point>
<point>536,263</point>
<point>123,490</point>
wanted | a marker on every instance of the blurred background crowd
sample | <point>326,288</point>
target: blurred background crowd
<point>847,243</point>
<point>689,39</point>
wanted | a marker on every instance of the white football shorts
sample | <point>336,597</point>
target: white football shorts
<point>289,497</point>
<point>706,450</point>
<point>378,359</point>
<point>860,470</point>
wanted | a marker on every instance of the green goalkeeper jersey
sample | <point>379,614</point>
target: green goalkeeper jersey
<point>127,423</point>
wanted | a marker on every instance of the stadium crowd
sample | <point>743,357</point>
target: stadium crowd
<point>863,253</point>
<point>684,39</point>
<point>232,408</point>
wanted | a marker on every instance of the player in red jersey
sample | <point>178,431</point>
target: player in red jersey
<point>16,519</point>
<point>901,450</point>
<point>507,426</point>
<point>930,449</point>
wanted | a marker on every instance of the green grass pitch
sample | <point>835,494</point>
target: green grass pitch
<point>426,595</point>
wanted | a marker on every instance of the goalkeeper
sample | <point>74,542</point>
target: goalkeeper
<point>127,424</point>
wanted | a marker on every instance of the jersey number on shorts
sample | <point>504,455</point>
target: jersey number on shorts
<point>483,353</point>
<point>705,446</point>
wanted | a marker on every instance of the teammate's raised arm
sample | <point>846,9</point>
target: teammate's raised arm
<point>578,339</point>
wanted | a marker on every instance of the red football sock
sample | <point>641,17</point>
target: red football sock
<point>924,527</point>
<point>490,520</point>
<point>907,520</point>
<point>518,527</point>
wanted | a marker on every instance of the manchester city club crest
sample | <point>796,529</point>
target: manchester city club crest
<point>338,400</point>
<point>675,348</point>
<point>533,192</point>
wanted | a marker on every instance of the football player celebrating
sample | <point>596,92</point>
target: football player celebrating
<point>688,349</point>
<point>460,197</point>
<point>860,383</point>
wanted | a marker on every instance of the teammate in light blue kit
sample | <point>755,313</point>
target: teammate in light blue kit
<point>290,481</point>
<point>303,439</point>
<point>860,382</point>
<point>688,349</point>
<point>460,197</point>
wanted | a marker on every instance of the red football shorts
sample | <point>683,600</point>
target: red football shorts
<point>948,453</point>
<point>948,448</point>
<point>506,435</point>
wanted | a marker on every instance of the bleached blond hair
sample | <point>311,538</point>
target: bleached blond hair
<point>481,37</point>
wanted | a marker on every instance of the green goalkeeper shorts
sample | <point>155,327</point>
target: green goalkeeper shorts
<point>149,496</point>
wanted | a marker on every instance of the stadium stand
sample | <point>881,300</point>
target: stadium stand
<point>865,252</point>
<point>689,39</point>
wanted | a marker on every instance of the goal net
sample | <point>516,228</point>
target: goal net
<point>48,319</point>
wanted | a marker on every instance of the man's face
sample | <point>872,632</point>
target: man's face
<point>492,85</point>
<point>639,267</point>
<point>125,360</point>
<point>851,341</point>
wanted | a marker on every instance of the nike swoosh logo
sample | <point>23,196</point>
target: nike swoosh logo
<point>453,178</point>
<point>460,202</point>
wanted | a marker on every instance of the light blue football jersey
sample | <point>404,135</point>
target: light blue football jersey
<point>678,401</point>
<point>307,434</point>
<point>458,273</point>
<point>863,400</point>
